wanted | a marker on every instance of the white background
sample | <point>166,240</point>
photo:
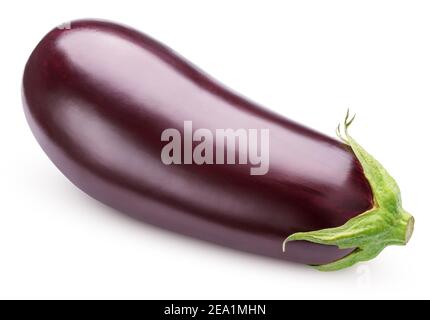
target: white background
<point>309,60</point>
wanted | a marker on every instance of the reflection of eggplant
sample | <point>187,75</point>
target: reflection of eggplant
<point>98,96</point>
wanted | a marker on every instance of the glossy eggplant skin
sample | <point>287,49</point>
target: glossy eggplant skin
<point>98,96</point>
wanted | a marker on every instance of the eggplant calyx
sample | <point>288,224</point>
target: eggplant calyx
<point>387,223</point>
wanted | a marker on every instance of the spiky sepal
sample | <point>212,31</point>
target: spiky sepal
<point>387,223</point>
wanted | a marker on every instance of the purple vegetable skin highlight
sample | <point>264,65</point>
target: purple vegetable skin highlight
<point>99,95</point>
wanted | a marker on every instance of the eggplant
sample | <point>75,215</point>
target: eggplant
<point>99,98</point>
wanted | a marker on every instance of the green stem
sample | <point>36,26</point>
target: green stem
<point>387,223</point>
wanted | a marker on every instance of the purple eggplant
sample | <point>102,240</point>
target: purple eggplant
<point>99,98</point>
